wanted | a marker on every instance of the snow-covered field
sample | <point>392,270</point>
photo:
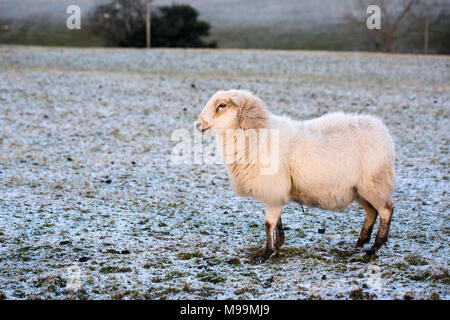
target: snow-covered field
<point>91,205</point>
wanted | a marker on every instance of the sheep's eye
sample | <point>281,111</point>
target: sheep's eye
<point>221,106</point>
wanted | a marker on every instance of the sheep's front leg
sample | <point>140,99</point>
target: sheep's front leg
<point>272,217</point>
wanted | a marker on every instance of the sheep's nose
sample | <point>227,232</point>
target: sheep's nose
<point>198,125</point>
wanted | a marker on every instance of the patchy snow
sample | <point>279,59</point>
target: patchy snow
<point>85,173</point>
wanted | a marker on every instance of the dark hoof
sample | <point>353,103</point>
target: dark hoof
<point>371,252</point>
<point>267,255</point>
<point>378,245</point>
<point>360,243</point>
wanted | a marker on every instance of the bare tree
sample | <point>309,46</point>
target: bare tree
<point>399,19</point>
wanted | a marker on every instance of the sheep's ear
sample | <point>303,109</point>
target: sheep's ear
<point>237,100</point>
<point>253,115</point>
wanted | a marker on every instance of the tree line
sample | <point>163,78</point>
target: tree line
<point>122,23</point>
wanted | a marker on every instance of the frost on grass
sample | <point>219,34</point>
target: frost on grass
<point>92,207</point>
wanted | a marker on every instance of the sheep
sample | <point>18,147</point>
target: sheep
<point>325,163</point>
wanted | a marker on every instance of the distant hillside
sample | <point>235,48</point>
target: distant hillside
<point>280,24</point>
<point>53,9</point>
<point>43,22</point>
<point>294,24</point>
<point>286,24</point>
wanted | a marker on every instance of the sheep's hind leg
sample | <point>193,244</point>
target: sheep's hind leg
<point>383,228</point>
<point>272,217</point>
<point>369,221</point>
<point>280,235</point>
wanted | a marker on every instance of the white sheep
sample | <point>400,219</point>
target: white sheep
<point>326,162</point>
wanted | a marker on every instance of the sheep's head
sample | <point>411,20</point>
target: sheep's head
<point>233,109</point>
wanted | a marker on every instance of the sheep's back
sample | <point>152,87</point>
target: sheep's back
<point>330,155</point>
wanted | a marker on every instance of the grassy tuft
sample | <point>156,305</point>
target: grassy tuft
<point>189,255</point>
<point>113,269</point>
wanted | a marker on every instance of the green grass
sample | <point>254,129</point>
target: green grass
<point>234,261</point>
<point>210,277</point>
<point>48,34</point>
<point>111,269</point>
<point>189,255</point>
<point>322,37</point>
<point>416,260</point>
